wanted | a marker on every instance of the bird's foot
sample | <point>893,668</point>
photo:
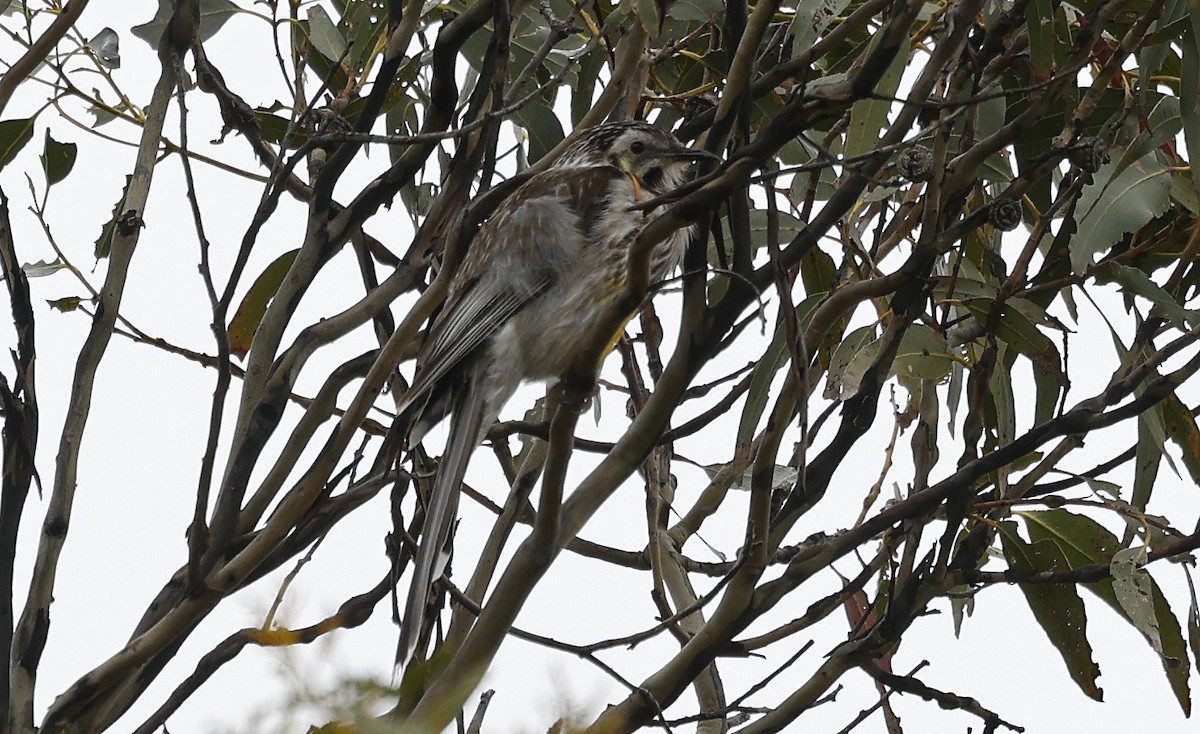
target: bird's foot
<point>573,399</point>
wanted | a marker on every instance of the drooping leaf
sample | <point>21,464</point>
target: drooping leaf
<point>1147,457</point>
<point>1049,381</point>
<point>868,117</point>
<point>1189,84</point>
<point>1132,587</point>
<point>543,127</point>
<point>841,383</point>
<point>41,268</point>
<point>775,357</point>
<point>213,15</point>
<point>1083,541</point>
<point>1001,388</point>
<point>1042,40</point>
<point>1137,282</point>
<point>1012,327</point>
<point>812,18</point>
<point>107,46</point>
<point>66,305</point>
<point>14,134</point>
<point>922,355</point>
<point>962,605</point>
<point>324,35</point>
<point>1181,429</point>
<point>1164,124</point>
<point>254,304</point>
<point>104,242</point>
<point>1056,607</point>
<point>1193,621</point>
<point>1115,205</point>
<point>57,159</point>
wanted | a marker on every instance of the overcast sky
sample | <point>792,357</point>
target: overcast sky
<point>144,443</point>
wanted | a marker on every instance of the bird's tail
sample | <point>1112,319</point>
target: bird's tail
<point>466,424</point>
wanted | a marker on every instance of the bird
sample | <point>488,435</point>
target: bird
<point>535,277</point>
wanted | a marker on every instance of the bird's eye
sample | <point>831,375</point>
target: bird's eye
<point>637,147</point>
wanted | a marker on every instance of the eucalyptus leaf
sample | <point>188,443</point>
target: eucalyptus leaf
<point>1116,204</point>
<point>1056,607</point>
<point>324,35</point>
<point>213,15</point>
<point>107,46</point>
<point>57,159</point>
<point>14,135</point>
<point>41,268</point>
<point>1131,584</point>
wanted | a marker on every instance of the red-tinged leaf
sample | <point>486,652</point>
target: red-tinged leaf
<point>254,304</point>
<point>861,615</point>
<point>1056,607</point>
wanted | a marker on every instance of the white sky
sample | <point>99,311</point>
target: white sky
<point>144,443</point>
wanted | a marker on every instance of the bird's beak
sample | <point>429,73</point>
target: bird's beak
<point>633,179</point>
<point>637,186</point>
<point>697,155</point>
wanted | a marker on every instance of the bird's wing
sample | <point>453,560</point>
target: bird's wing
<point>533,236</point>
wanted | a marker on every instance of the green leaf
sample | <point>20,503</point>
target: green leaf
<point>818,271</point>
<point>1042,41</point>
<point>14,134</point>
<point>962,603</point>
<point>648,15</point>
<point>57,159</point>
<point>1083,542</point>
<point>811,20</point>
<point>775,357</point>
<point>41,268</point>
<point>922,355</point>
<point>106,45</point>
<point>1116,205</point>
<point>254,304</point>
<point>1132,587</point>
<point>213,14</point>
<point>1189,84</point>
<point>1164,124</point>
<point>104,243</point>
<point>1181,428</point>
<point>543,127</point>
<point>324,35</point>
<point>1138,283</point>
<point>1012,327</point>
<point>868,117</point>
<point>839,385</point>
<point>1001,388</point>
<point>1056,607</point>
<point>66,305</point>
<point>1147,457</point>
<point>1049,380</point>
<point>1193,622</point>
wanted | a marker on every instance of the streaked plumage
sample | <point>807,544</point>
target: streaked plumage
<point>524,295</point>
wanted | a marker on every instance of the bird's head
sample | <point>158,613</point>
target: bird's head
<point>653,159</point>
